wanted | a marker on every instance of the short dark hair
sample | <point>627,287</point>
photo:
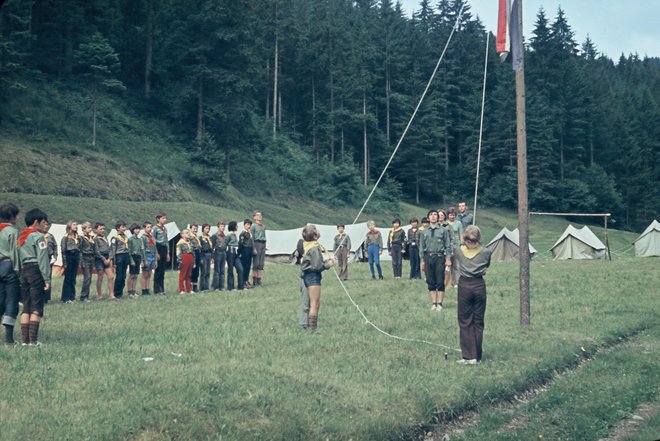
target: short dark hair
<point>159,215</point>
<point>98,224</point>
<point>451,210</point>
<point>310,232</point>
<point>433,210</point>
<point>144,225</point>
<point>35,215</point>
<point>396,220</point>
<point>247,221</point>
<point>204,226</point>
<point>134,227</point>
<point>8,211</point>
<point>231,226</point>
<point>119,224</point>
<point>341,225</point>
<point>221,222</point>
<point>414,219</point>
<point>425,220</point>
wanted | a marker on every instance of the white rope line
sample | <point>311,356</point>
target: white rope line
<point>398,144</point>
<point>396,337</point>
<point>481,131</point>
<point>396,149</point>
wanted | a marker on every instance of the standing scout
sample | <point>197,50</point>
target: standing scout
<point>374,243</point>
<point>197,252</point>
<point>311,266</point>
<point>464,216</point>
<point>413,249</point>
<point>120,257</point>
<point>207,253</point>
<point>10,265</point>
<point>103,263</point>
<point>87,259</point>
<point>246,250</point>
<point>219,241</point>
<point>396,246</point>
<point>258,231</point>
<point>163,252</point>
<point>52,255</point>
<point>232,258</point>
<point>435,243</point>
<point>136,258</point>
<point>457,230</point>
<point>186,258</point>
<point>35,273</point>
<point>342,250</point>
<point>150,257</point>
<point>70,261</point>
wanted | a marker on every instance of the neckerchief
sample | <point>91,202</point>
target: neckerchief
<point>3,226</point>
<point>123,239</point>
<point>73,237</point>
<point>394,231</point>
<point>24,235</point>
<point>89,239</point>
<point>311,244</point>
<point>151,239</point>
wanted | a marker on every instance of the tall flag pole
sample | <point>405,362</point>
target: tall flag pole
<point>509,44</point>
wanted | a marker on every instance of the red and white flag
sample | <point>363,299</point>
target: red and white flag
<point>509,34</point>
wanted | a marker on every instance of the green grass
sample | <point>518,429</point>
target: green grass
<point>247,371</point>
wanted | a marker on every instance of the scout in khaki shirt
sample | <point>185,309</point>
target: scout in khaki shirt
<point>120,257</point>
<point>9,269</point>
<point>103,262</point>
<point>35,274</point>
<point>136,258</point>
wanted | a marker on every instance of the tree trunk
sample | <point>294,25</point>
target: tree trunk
<point>149,49</point>
<point>267,90</point>
<point>364,132</point>
<point>228,164</point>
<point>416,182</point>
<point>315,144</point>
<point>94,113</point>
<point>388,91</point>
<point>275,77</point>
<point>332,117</point>
<point>561,158</point>
<point>446,152</point>
<point>200,111</point>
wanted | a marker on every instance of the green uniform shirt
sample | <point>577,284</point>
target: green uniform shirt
<point>87,245</point>
<point>136,248</point>
<point>219,242</point>
<point>374,238</point>
<point>206,243</point>
<point>35,250</point>
<point>119,245</point>
<point>342,241</point>
<point>232,240</point>
<point>457,230</point>
<point>160,236</point>
<point>313,260</point>
<point>435,240</point>
<point>151,249</point>
<point>9,246</point>
<point>70,242</point>
<point>102,247</point>
<point>473,263</point>
<point>258,232</point>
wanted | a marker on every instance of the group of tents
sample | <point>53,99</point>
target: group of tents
<point>574,243</point>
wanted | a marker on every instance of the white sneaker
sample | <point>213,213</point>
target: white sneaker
<point>466,361</point>
<point>439,308</point>
<point>182,292</point>
<point>433,308</point>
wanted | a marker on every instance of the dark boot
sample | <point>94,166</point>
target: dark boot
<point>312,321</point>
<point>9,334</point>
<point>195,288</point>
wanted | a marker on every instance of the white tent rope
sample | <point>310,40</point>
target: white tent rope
<point>398,144</point>
<point>481,130</point>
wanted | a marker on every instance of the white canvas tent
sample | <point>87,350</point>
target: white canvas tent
<point>578,244</point>
<point>648,243</point>
<point>506,246</point>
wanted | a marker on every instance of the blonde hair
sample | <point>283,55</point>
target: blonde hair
<point>472,236</point>
<point>85,225</point>
<point>371,223</point>
<point>310,233</point>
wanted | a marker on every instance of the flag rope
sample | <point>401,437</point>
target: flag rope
<point>396,149</point>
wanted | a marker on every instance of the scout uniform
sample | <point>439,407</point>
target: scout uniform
<point>197,252</point>
<point>233,262</point>
<point>88,255</point>
<point>457,233</point>
<point>311,267</point>
<point>374,244</point>
<point>435,244</point>
<point>103,252</point>
<point>342,250</point>
<point>10,265</point>
<point>186,256</point>
<point>71,261</point>
<point>395,243</point>
<point>136,255</point>
<point>246,251</point>
<point>258,231</point>
<point>120,255</point>
<point>35,273</point>
<point>219,242</point>
<point>464,218</point>
<point>413,252</point>
<point>207,253</point>
<point>162,251</point>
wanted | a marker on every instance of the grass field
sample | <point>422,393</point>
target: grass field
<point>247,372</point>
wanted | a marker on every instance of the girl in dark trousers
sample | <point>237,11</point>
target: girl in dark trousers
<point>246,250</point>
<point>206,245</point>
<point>71,260</point>
<point>197,252</point>
<point>232,258</point>
<point>473,262</point>
<point>219,257</point>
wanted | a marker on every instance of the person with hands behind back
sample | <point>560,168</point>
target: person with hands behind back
<point>311,266</point>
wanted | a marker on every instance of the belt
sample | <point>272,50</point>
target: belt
<point>435,254</point>
<point>260,241</point>
<point>2,259</point>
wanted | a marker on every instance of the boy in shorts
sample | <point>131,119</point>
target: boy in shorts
<point>150,257</point>
<point>35,274</point>
<point>103,263</point>
<point>136,259</point>
<point>311,266</point>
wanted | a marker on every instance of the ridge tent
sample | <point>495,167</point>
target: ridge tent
<point>506,246</point>
<point>578,244</point>
<point>648,243</point>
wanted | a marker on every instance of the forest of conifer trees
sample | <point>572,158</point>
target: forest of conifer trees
<point>317,92</point>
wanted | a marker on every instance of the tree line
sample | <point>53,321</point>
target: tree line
<point>315,94</point>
